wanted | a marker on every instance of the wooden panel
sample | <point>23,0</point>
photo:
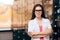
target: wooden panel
<point>38,1</point>
<point>30,7</point>
<point>48,7</point>
<point>19,15</point>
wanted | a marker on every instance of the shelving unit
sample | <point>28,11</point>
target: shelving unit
<point>56,19</point>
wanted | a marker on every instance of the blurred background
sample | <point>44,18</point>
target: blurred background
<point>15,14</point>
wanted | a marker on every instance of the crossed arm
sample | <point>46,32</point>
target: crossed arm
<point>40,34</point>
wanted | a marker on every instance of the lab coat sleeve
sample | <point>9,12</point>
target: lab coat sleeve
<point>30,26</point>
<point>48,24</point>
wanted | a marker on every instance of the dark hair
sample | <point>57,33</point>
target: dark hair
<point>33,11</point>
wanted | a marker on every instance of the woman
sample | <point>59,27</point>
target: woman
<point>39,28</point>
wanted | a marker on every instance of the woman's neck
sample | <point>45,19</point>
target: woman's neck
<point>38,18</point>
<point>39,21</point>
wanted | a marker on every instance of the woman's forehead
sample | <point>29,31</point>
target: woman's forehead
<point>38,7</point>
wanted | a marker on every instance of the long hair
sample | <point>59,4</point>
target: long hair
<point>33,11</point>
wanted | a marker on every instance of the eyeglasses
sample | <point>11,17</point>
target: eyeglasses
<point>38,10</point>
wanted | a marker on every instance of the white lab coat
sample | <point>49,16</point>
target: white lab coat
<point>34,27</point>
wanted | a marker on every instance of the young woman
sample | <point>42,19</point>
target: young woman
<point>39,27</point>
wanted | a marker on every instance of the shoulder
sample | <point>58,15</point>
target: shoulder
<point>31,21</point>
<point>45,19</point>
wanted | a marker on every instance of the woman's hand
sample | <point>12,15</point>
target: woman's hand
<point>38,35</point>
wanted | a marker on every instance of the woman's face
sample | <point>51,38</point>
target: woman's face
<point>38,11</point>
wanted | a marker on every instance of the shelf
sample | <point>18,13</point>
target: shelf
<point>5,29</point>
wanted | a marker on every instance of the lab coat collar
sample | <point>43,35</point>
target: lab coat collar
<point>36,19</point>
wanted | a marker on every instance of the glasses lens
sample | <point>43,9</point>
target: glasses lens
<point>38,10</point>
